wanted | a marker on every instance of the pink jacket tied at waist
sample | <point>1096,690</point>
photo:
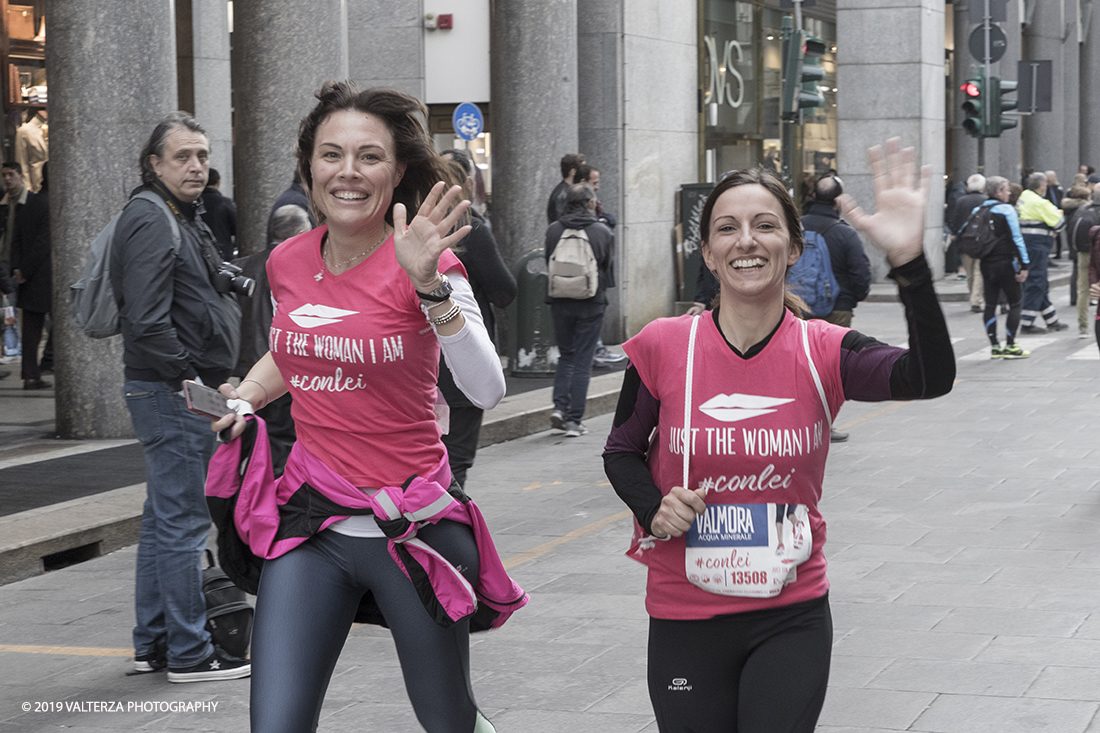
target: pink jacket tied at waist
<point>237,469</point>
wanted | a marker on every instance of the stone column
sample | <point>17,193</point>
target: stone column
<point>112,71</point>
<point>1046,145</point>
<point>388,44</point>
<point>600,126</point>
<point>1090,100</point>
<point>638,71</point>
<point>282,52</point>
<point>1072,93</point>
<point>213,104</point>
<point>534,99</point>
<point>890,77</point>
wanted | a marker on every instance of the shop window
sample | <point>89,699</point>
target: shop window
<point>23,57</point>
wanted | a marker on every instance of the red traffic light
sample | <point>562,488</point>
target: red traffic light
<point>971,89</point>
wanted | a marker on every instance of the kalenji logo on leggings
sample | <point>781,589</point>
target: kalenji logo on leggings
<point>680,684</point>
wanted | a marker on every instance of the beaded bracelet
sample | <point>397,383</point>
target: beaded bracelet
<point>447,317</point>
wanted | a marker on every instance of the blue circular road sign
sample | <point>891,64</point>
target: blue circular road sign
<point>467,121</point>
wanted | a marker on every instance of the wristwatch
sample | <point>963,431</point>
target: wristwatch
<point>440,294</point>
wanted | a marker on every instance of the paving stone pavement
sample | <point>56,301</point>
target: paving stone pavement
<point>964,560</point>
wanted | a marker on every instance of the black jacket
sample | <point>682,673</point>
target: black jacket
<point>490,279</point>
<point>850,264</point>
<point>556,205</point>
<point>30,252</point>
<point>958,215</point>
<point>221,217</point>
<point>602,240</point>
<point>257,312</point>
<point>175,325</point>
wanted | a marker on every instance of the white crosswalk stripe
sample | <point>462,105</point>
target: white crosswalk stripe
<point>1089,353</point>
<point>1026,343</point>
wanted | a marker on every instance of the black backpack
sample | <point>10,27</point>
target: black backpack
<point>228,613</point>
<point>978,237</point>
<point>1086,218</point>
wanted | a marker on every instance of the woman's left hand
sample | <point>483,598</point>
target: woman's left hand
<point>419,245</point>
<point>897,226</point>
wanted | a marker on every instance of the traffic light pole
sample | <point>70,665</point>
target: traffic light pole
<point>987,108</point>
<point>787,127</point>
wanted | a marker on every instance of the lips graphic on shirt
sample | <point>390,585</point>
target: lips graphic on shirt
<point>734,407</point>
<point>311,316</point>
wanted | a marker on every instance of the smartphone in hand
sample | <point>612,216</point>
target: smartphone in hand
<point>204,401</point>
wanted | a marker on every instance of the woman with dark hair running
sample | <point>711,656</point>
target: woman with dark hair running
<point>366,521</point>
<point>722,429</point>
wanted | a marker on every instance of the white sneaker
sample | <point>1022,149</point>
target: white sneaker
<point>557,420</point>
<point>575,430</point>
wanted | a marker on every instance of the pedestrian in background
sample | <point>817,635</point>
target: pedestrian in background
<point>740,634</point>
<point>31,269</point>
<point>493,285</point>
<point>975,195</point>
<point>577,321</point>
<point>220,215</point>
<point>556,205</point>
<point>15,198</point>
<point>176,325</point>
<point>1083,213</point>
<point>1040,222</point>
<point>1003,270</point>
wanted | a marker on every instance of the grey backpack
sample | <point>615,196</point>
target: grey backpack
<point>572,268</point>
<point>92,299</point>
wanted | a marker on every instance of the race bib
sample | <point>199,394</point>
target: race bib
<point>748,550</point>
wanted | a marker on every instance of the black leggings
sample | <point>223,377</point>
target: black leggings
<point>757,672</point>
<point>1000,277</point>
<point>304,610</point>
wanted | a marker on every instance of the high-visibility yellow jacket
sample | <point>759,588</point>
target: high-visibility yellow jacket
<point>1036,211</point>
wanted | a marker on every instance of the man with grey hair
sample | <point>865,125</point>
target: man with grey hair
<point>577,321</point>
<point>956,218</point>
<point>1040,221</point>
<point>176,325</point>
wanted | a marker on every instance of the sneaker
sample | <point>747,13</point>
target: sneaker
<point>36,384</point>
<point>1057,326</point>
<point>153,660</point>
<point>557,420</point>
<point>218,666</point>
<point>604,356</point>
<point>575,430</point>
<point>11,359</point>
<point>835,436</point>
<point>1083,333</point>
<point>1014,352</point>
<point>977,309</point>
<point>996,352</point>
<point>1032,330</point>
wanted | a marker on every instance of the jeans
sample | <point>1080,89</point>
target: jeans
<point>1037,286</point>
<point>576,329</point>
<point>11,333</point>
<point>175,522</point>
